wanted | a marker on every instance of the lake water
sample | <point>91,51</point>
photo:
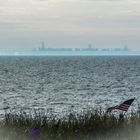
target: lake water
<point>68,84</point>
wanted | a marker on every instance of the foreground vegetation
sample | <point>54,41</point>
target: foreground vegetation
<point>95,125</point>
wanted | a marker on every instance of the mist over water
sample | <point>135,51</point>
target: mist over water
<point>61,85</point>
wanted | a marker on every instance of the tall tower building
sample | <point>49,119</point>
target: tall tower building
<point>42,46</point>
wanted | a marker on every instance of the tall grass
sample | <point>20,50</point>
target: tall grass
<point>95,125</point>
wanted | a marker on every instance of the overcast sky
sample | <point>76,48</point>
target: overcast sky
<point>69,23</point>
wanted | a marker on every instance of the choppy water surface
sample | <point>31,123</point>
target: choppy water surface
<point>63,84</point>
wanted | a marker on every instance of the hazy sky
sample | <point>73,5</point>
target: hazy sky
<point>69,23</point>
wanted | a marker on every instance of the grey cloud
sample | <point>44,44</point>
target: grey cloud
<point>1,11</point>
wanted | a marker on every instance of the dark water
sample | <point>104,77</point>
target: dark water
<point>63,84</point>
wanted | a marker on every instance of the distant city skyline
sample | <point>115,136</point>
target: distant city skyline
<point>86,47</point>
<point>69,24</point>
<point>89,47</point>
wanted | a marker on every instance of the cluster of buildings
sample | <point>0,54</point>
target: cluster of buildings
<point>89,48</point>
